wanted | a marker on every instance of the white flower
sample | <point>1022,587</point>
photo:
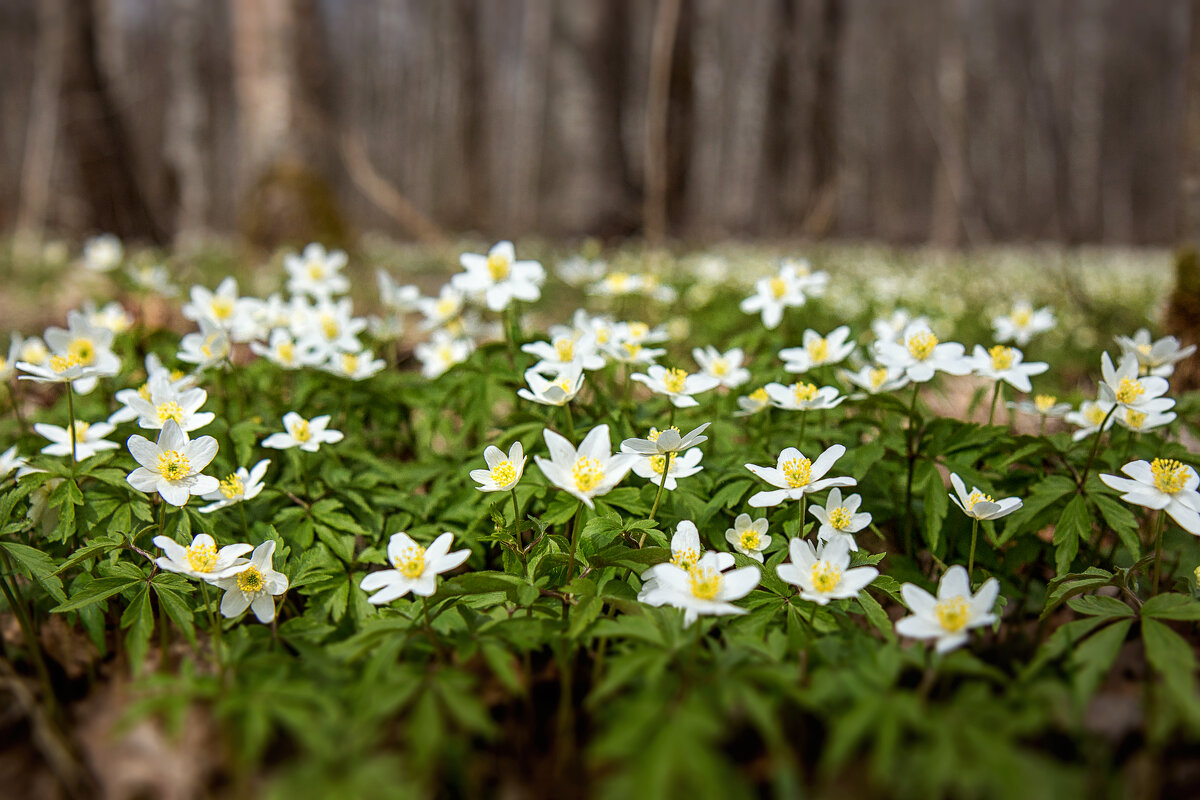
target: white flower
<point>1023,323</point>
<point>802,396</point>
<point>725,367</point>
<point>818,350</point>
<point>557,391</point>
<point>329,327</point>
<point>355,366</point>
<point>676,384</point>
<point>579,271</point>
<point>178,382</point>
<point>1043,405</point>
<point>840,519</point>
<point>876,380</point>
<point>616,284</point>
<point>1089,417</point>
<point>307,434</point>
<point>168,403</point>
<point>920,355</point>
<point>626,342</point>
<point>172,466</point>
<point>394,297</point>
<point>891,328</point>
<point>284,351</point>
<point>9,460</point>
<point>1121,385</point>
<point>414,568</point>
<point>823,573</point>
<point>1140,421</point>
<point>677,465</point>
<point>753,403</point>
<point>702,589</point>
<point>8,365</point>
<point>1000,363</point>
<point>773,294</point>
<point>796,476</point>
<point>112,316</point>
<point>499,277</point>
<point>686,551</point>
<point>667,441</point>
<point>1154,357</point>
<point>224,309</point>
<point>207,348</point>
<point>237,487</point>
<point>1163,484</point>
<point>89,439</point>
<point>979,505</point>
<point>954,612</point>
<point>503,472</point>
<point>201,559</point>
<point>565,352</point>
<point>31,350</point>
<point>316,273</point>
<point>587,472</point>
<point>80,354</point>
<point>103,253</point>
<point>441,353</point>
<point>254,586</point>
<point>441,310</point>
<point>152,278</point>
<point>749,537</point>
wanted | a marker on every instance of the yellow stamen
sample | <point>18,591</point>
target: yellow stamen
<point>1169,475</point>
<point>1135,419</point>
<point>797,471</point>
<point>839,518</point>
<point>173,465</point>
<point>779,287</point>
<point>300,431</point>
<point>221,307</point>
<point>82,350</point>
<point>63,363</point>
<point>878,376</point>
<point>953,613</point>
<point>498,266</point>
<point>1094,415</point>
<point>504,474</point>
<point>1129,390</point>
<point>719,367</point>
<point>1002,357</point>
<point>660,463</point>
<point>250,580</point>
<point>411,561</point>
<point>760,396</point>
<point>232,487</point>
<point>169,410</point>
<point>1021,317</point>
<point>818,350</point>
<point>202,557</point>
<point>1044,402</point>
<point>804,392</point>
<point>675,380</point>
<point>329,326</point>
<point>825,576</point>
<point>921,345</point>
<point>749,539</point>
<point>685,558</point>
<point>977,496</point>
<point>705,583</point>
<point>564,348</point>
<point>588,473</point>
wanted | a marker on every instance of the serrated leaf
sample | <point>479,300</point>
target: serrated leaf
<point>1073,526</point>
<point>1100,606</point>
<point>40,566</point>
<point>94,592</point>
<point>1172,606</point>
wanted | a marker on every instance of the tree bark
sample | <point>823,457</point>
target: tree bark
<point>187,122</point>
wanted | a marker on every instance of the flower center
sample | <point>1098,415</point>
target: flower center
<point>1129,390</point>
<point>1094,415</point>
<point>329,326</point>
<point>497,266</point>
<point>1134,419</point>
<point>632,349</point>
<point>411,561</point>
<point>685,558</point>
<point>839,518</point>
<point>818,350</point>
<point>638,330</point>
<point>82,350</point>
<point>619,281</point>
<point>588,473</point>
<point>446,306</point>
<point>749,540</point>
<point>1169,475</point>
<point>144,392</point>
<point>825,576</point>
<point>878,376</point>
<point>316,272</point>
<point>655,432</point>
<point>79,431</point>
<point>173,465</point>
<point>1022,317</point>
<point>222,308</point>
<point>300,431</point>
<point>1002,357</point>
<point>1144,349</point>
<point>720,367</point>
<point>804,392</point>
<point>675,380</point>
<point>232,487</point>
<point>760,396</point>
<point>705,582</point>
<point>34,352</point>
<point>63,363</point>
<point>921,345</point>
<point>660,463</point>
<point>169,410</point>
<point>202,557</point>
<point>286,352</point>
<point>797,471</point>
<point>504,473</point>
<point>1044,402</point>
<point>977,496</point>
<point>778,287</point>
<point>250,580</point>
<point>953,613</point>
<point>564,348</point>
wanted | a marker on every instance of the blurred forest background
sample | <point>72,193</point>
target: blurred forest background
<point>955,122</point>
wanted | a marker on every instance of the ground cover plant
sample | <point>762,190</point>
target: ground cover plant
<point>642,528</point>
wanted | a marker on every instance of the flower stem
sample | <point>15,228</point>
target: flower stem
<point>16,407</point>
<point>574,544</point>
<point>1158,536</point>
<point>71,412</point>
<point>971,558</point>
<point>516,518</point>
<point>800,516</point>
<point>803,425</point>
<point>162,516</point>
<point>995,397</point>
<point>214,625</point>
<point>17,605</point>
<point>1095,447</point>
<point>437,646</point>
<point>662,483</point>
<point>570,420</point>
<point>245,525</point>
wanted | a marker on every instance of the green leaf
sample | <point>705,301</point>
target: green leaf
<point>39,565</point>
<point>139,618</point>
<point>1094,658</point>
<point>937,502</point>
<point>1073,526</point>
<point>1100,606</point>
<point>1172,606</point>
<point>94,592</point>
<point>1121,520</point>
<point>1073,584</point>
<point>1170,654</point>
<point>1041,497</point>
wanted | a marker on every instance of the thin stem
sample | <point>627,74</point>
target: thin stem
<point>437,646</point>
<point>995,397</point>
<point>971,558</point>
<point>71,412</point>
<point>570,420</point>
<point>662,483</point>
<point>800,516</point>
<point>11,594</point>
<point>516,517</point>
<point>245,525</point>
<point>16,407</point>
<point>1158,537</point>
<point>162,517</point>
<point>574,543</point>
<point>803,425</point>
<point>1095,447</point>
<point>214,625</point>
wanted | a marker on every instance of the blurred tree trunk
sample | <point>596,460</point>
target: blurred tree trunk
<point>950,186</point>
<point>281,66</point>
<point>41,132</point>
<point>95,137</point>
<point>1189,232</point>
<point>658,99</point>
<point>821,216</point>
<point>187,122</point>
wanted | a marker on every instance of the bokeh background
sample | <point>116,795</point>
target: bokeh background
<point>952,122</point>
